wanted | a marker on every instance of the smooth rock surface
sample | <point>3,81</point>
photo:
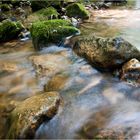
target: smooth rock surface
<point>105,54</point>
<point>27,116</point>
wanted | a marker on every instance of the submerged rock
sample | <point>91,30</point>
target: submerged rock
<point>8,66</point>
<point>57,83</point>
<point>3,17</point>
<point>50,64</point>
<point>27,116</point>
<point>9,30</point>
<point>51,31</point>
<point>37,5</point>
<point>77,10</point>
<point>105,54</point>
<point>131,71</point>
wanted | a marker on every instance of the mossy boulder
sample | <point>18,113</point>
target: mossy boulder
<point>77,10</point>
<point>51,31</point>
<point>29,114</point>
<point>48,13</point>
<point>5,7</point>
<point>9,30</point>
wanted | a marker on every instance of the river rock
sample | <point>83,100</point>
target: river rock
<point>77,10</point>
<point>131,71</point>
<point>51,31</point>
<point>37,5</point>
<point>105,54</point>
<point>57,83</point>
<point>48,13</point>
<point>28,115</point>
<point>3,17</point>
<point>116,2</point>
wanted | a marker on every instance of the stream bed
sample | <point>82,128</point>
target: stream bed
<point>96,105</point>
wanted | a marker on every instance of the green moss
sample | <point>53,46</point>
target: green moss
<point>9,30</point>
<point>5,7</point>
<point>48,12</point>
<point>77,10</point>
<point>51,31</point>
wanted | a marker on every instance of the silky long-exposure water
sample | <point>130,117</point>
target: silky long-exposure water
<point>95,104</point>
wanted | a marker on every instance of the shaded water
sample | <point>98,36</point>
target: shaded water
<point>95,104</point>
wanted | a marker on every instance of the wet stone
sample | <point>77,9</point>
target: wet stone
<point>105,54</point>
<point>28,115</point>
<point>131,71</point>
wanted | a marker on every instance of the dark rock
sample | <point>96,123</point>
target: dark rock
<point>5,7</point>
<point>3,17</point>
<point>116,2</point>
<point>19,11</point>
<point>131,71</point>
<point>51,31</point>
<point>37,5</point>
<point>49,13</point>
<point>27,116</point>
<point>105,54</point>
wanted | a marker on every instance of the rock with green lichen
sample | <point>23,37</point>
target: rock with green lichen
<point>51,31</point>
<point>9,30</point>
<point>105,54</point>
<point>77,10</point>
<point>48,13</point>
<point>28,115</point>
<point>37,5</point>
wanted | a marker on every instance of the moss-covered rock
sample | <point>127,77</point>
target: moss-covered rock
<point>51,31</point>
<point>9,30</point>
<point>77,10</point>
<point>5,7</point>
<point>28,115</point>
<point>48,13</point>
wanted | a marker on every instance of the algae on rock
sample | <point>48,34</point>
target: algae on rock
<point>51,31</point>
<point>9,30</point>
<point>48,13</point>
<point>77,10</point>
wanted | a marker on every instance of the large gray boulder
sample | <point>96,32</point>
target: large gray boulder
<point>27,116</point>
<point>105,54</point>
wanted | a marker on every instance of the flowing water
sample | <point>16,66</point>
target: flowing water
<point>95,104</point>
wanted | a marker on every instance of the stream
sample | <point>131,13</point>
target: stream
<point>95,104</point>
